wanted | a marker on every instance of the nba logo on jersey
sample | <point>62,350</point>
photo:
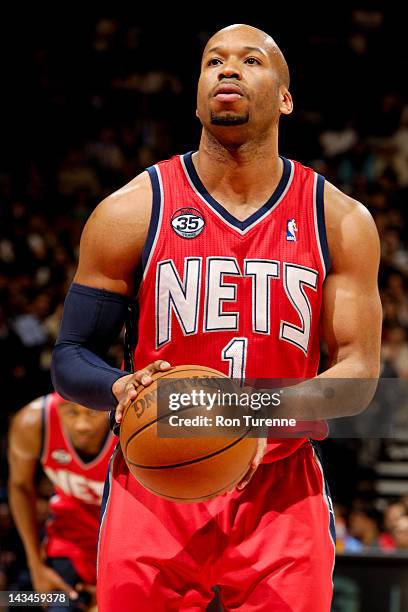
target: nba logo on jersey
<point>291,230</point>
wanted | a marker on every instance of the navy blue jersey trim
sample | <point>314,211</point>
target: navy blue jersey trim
<point>43,425</point>
<point>107,486</point>
<point>242,225</point>
<point>131,338</point>
<point>154,219</point>
<point>105,499</point>
<point>113,425</point>
<point>105,494</point>
<point>332,526</point>
<point>321,222</point>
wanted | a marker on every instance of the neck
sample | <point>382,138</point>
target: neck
<point>248,171</point>
<point>94,447</point>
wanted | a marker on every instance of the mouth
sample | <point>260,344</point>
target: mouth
<point>228,93</point>
<point>82,437</point>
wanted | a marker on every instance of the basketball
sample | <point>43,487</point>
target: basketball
<point>182,469</point>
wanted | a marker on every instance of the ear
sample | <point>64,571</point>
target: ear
<point>197,115</point>
<point>285,99</point>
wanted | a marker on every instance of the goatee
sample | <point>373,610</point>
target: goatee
<point>229,119</point>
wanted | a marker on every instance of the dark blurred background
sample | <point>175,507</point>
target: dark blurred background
<point>88,101</point>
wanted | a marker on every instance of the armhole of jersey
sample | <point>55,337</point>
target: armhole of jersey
<point>43,427</point>
<point>113,425</point>
<point>155,219</point>
<point>320,225</point>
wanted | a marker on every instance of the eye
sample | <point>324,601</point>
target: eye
<point>214,61</point>
<point>252,60</point>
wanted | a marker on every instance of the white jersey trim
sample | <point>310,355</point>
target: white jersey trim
<point>316,224</point>
<point>159,222</point>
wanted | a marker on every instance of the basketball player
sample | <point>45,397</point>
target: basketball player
<point>240,259</point>
<point>73,445</point>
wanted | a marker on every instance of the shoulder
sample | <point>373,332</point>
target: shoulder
<point>128,206</point>
<point>350,228</point>
<point>339,206</point>
<point>114,236</point>
<point>26,429</point>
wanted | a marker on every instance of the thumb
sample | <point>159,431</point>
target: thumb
<point>257,459</point>
<point>260,452</point>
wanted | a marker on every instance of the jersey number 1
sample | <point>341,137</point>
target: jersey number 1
<point>295,277</point>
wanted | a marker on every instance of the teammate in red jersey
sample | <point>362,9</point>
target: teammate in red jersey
<point>73,445</point>
<point>244,259</point>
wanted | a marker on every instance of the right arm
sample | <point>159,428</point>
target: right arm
<point>96,305</point>
<point>24,444</point>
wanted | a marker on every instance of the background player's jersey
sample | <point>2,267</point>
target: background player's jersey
<point>72,530</point>
<point>243,297</point>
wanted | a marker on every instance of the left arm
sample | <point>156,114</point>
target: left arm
<point>351,321</point>
<point>351,318</point>
<point>351,314</point>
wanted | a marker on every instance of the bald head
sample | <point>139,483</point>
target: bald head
<point>258,38</point>
<point>243,86</point>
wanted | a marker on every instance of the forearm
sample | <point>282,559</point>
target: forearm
<point>81,376</point>
<point>92,320</point>
<point>23,508</point>
<point>343,390</point>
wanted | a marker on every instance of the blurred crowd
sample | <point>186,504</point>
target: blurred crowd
<point>100,103</point>
<point>364,528</point>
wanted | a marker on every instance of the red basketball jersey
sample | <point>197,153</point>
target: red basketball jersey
<point>72,530</point>
<point>243,297</point>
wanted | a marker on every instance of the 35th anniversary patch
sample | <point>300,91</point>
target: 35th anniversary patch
<point>187,222</point>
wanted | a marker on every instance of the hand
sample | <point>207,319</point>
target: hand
<point>262,443</point>
<point>125,389</point>
<point>45,579</point>
<point>91,589</point>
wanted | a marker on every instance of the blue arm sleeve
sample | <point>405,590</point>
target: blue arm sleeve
<point>91,322</point>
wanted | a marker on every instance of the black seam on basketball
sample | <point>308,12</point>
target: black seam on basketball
<point>136,433</point>
<point>191,461</point>
<point>203,497</point>
<point>158,375</point>
<point>150,423</point>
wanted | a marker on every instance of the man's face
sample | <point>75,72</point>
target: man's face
<point>400,533</point>
<point>239,83</point>
<point>86,427</point>
<point>392,514</point>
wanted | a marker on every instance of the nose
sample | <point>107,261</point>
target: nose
<point>82,426</point>
<point>229,70</point>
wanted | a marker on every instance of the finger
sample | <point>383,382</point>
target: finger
<point>161,364</point>
<point>118,414</point>
<point>131,390</point>
<point>130,394</point>
<point>89,588</point>
<point>241,485</point>
<point>64,586</point>
<point>140,378</point>
<point>258,457</point>
<point>157,366</point>
<point>260,452</point>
